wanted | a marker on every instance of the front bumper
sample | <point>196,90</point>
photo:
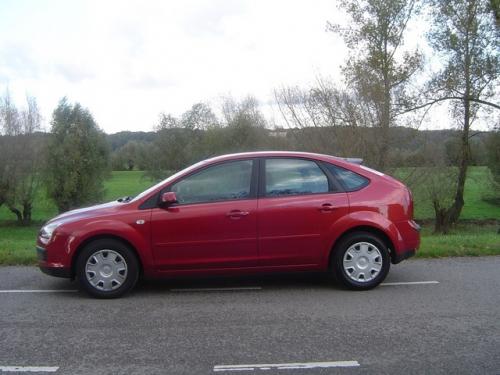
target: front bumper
<point>52,269</point>
<point>56,271</point>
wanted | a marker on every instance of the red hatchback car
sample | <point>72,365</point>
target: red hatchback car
<point>235,214</point>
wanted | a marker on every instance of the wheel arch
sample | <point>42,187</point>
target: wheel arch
<point>97,237</point>
<point>369,229</point>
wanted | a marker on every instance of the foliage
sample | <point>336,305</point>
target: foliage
<point>20,160</point>
<point>77,157</point>
<point>132,155</point>
<point>199,134</point>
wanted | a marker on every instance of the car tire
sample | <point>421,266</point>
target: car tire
<point>360,261</point>
<point>107,268</point>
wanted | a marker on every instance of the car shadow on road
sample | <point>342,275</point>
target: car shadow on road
<point>235,283</point>
<point>285,282</point>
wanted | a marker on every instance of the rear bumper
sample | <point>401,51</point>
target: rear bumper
<point>399,257</point>
<point>409,241</point>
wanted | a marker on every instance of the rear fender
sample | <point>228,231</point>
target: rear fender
<point>363,219</point>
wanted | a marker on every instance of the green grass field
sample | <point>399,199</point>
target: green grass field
<point>477,187</point>
<point>17,243</point>
<point>121,183</point>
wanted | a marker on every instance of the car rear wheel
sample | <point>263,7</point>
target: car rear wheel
<point>107,268</point>
<point>360,261</point>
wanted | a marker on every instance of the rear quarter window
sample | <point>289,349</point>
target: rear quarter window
<point>350,181</point>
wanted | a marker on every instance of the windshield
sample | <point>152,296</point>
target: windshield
<point>167,180</point>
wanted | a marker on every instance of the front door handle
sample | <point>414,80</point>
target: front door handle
<point>236,214</point>
<point>326,207</point>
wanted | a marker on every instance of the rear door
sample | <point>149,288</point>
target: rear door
<point>298,206</point>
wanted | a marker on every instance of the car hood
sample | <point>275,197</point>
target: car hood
<point>92,211</point>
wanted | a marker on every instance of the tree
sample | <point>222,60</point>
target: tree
<point>129,156</point>
<point>327,119</point>
<point>379,69</point>
<point>20,161</point>
<point>245,126</point>
<point>464,35</point>
<point>77,157</point>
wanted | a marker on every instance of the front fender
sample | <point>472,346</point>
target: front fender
<point>137,235</point>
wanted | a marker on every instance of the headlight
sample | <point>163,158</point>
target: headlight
<point>47,230</point>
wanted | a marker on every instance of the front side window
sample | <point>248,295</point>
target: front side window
<point>294,177</point>
<point>227,181</point>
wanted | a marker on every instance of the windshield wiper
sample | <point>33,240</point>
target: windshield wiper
<point>124,199</point>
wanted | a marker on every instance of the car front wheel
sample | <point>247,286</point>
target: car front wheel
<point>360,261</point>
<point>107,268</point>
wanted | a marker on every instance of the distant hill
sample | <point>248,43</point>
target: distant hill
<point>117,140</point>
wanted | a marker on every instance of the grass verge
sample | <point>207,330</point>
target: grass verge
<point>17,244</point>
<point>464,240</point>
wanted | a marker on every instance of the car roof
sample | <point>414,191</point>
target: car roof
<point>299,154</point>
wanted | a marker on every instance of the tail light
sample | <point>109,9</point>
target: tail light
<point>410,204</point>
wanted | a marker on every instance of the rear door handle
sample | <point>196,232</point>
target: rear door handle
<point>236,214</point>
<point>326,207</point>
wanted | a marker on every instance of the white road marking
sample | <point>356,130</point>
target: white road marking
<point>28,369</point>
<point>231,289</point>
<point>286,366</point>
<point>38,291</point>
<point>411,283</point>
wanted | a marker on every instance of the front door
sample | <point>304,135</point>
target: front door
<point>214,223</point>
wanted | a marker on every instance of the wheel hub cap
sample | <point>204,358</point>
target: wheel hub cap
<point>362,262</point>
<point>106,270</point>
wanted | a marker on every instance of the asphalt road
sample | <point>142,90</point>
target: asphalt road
<point>168,328</point>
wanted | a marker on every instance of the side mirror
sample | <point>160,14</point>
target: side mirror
<point>168,198</point>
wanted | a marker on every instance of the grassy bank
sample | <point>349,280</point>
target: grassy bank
<point>465,240</point>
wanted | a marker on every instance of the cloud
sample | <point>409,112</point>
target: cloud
<point>16,61</point>
<point>73,73</point>
<point>127,61</point>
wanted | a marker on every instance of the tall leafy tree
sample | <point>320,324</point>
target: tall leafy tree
<point>379,69</point>
<point>77,157</point>
<point>20,161</point>
<point>464,35</point>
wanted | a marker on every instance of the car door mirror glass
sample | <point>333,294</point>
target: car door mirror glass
<point>168,198</point>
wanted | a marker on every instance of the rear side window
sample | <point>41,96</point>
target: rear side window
<point>350,180</point>
<point>294,177</point>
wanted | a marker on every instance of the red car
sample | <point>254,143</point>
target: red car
<point>235,214</point>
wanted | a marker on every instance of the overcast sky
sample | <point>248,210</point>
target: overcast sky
<point>128,61</point>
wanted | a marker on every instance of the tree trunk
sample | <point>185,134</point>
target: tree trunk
<point>18,214</point>
<point>27,208</point>
<point>385,122</point>
<point>451,215</point>
<point>441,224</point>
